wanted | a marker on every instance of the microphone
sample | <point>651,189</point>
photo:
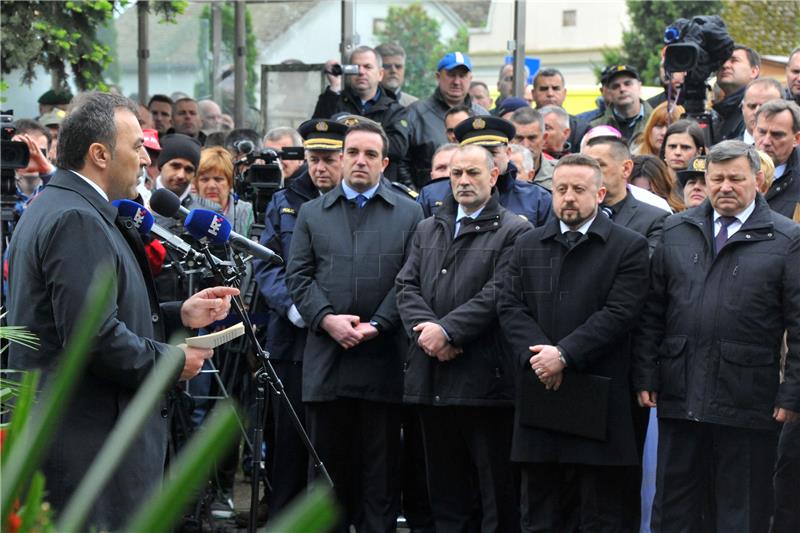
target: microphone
<point>204,223</point>
<point>145,223</point>
<point>141,217</point>
<point>167,204</point>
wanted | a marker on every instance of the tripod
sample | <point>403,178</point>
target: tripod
<point>231,275</point>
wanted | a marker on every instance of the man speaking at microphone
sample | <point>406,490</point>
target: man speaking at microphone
<point>70,232</point>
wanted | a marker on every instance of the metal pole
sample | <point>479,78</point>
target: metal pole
<point>143,53</point>
<point>239,71</point>
<point>216,48</point>
<point>348,29</point>
<point>519,50</point>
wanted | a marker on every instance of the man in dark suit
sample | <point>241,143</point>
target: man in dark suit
<point>573,291</point>
<point>347,249</point>
<point>615,159</point>
<point>457,371</point>
<point>65,236</point>
<point>724,288</point>
<point>777,132</point>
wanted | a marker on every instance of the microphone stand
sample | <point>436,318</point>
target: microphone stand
<point>230,276</point>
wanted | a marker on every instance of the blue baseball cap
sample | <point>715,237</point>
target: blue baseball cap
<point>453,60</point>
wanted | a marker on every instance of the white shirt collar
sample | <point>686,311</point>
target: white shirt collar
<point>94,186</point>
<point>741,217</point>
<point>583,229</point>
<point>779,170</point>
<point>747,138</point>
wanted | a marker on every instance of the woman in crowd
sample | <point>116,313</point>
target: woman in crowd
<point>649,172</point>
<point>683,141</point>
<point>649,143</point>
<point>213,186</point>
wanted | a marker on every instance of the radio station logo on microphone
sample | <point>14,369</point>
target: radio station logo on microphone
<point>138,218</point>
<point>216,224</point>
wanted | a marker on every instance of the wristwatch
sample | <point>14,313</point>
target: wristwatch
<point>561,357</point>
<point>377,325</point>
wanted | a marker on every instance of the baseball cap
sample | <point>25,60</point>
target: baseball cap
<point>151,140</point>
<point>611,71</point>
<point>453,60</point>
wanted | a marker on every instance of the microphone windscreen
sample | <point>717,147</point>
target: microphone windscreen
<point>204,223</point>
<point>165,202</point>
<point>141,217</point>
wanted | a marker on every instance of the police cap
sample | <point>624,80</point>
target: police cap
<point>696,169</point>
<point>484,130</point>
<point>322,134</point>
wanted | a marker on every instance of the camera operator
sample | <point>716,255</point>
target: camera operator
<point>32,179</point>
<point>742,67</point>
<point>363,95</point>
<point>279,138</point>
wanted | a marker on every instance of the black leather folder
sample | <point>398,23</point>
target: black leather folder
<point>578,407</point>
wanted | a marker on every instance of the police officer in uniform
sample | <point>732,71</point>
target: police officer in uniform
<point>528,200</point>
<point>286,331</point>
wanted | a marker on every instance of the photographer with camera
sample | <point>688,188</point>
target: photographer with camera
<point>742,67</point>
<point>32,179</point>
<point>363,95</point>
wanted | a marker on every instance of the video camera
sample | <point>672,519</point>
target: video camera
<point>13,155</point>
<point>258,174</point>
<point>697,46</point>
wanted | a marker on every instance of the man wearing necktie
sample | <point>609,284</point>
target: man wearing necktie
<point>348,246</point>
<point>458,373</point>
<point>725,286</point>
<point>573,291</point>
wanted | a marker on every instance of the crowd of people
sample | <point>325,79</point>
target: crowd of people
<point>484,306</point>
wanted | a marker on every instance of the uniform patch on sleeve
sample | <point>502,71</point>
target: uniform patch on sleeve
<point>288,211</point>
<point>438,203</point>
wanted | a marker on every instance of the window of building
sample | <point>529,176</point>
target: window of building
<point>569,17</point>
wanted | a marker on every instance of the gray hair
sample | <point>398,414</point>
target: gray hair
<point>91,120</point>
<point>528,115</point>
<point>368,50</point>
<point>390,50</point>
<point>548,73</point>
<point>729,150</point>
<point>489,159</point>
<point>766,82</point>
<point>580,160</point>
<point>527,157</point>
<point>444,148</point>
<point>773,107</point>
<point>563,116</point>
<point>276,134</point>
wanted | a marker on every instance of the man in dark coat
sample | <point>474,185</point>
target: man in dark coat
<point>65,236</point>
<point>777,133</point>
<point>574,289</point>
<point>458,371</point>
<point>347,249</point>
<point>286,332</point>
<point>364,96</point>
<point>528,200</point>
<point>742,67</point>
<point>619,203</point>
<point>725,286</point>
<point>426,117</point>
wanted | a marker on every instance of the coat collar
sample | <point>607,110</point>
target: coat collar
<point>702,215</point>
<point>331,197</point>
<point>450,207</point>
<point>66,179</point>
<point>789,175</point>
<point>601,228</point>
<point>303,186</point>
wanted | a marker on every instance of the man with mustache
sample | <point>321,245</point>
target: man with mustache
<point>458,375</point>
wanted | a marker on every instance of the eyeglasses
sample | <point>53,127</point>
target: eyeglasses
<point>395,66</point>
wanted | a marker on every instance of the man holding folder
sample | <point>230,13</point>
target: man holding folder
<point>575,288</point>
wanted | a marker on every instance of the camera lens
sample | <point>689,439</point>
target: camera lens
<point>336,70</point>
<point>244,146</point>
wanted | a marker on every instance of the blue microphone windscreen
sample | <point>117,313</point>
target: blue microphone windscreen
<point>141,217</point>
<point>204,223</point>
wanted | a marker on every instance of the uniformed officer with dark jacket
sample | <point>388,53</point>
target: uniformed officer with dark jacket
<point>286,331</point>
<point>458,373</point>
<point>363,95</point>
<point>530,201</point>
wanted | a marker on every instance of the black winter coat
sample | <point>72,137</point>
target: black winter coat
<point>455,283</point>
<point>586,301</point>
<point>710,336</point>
